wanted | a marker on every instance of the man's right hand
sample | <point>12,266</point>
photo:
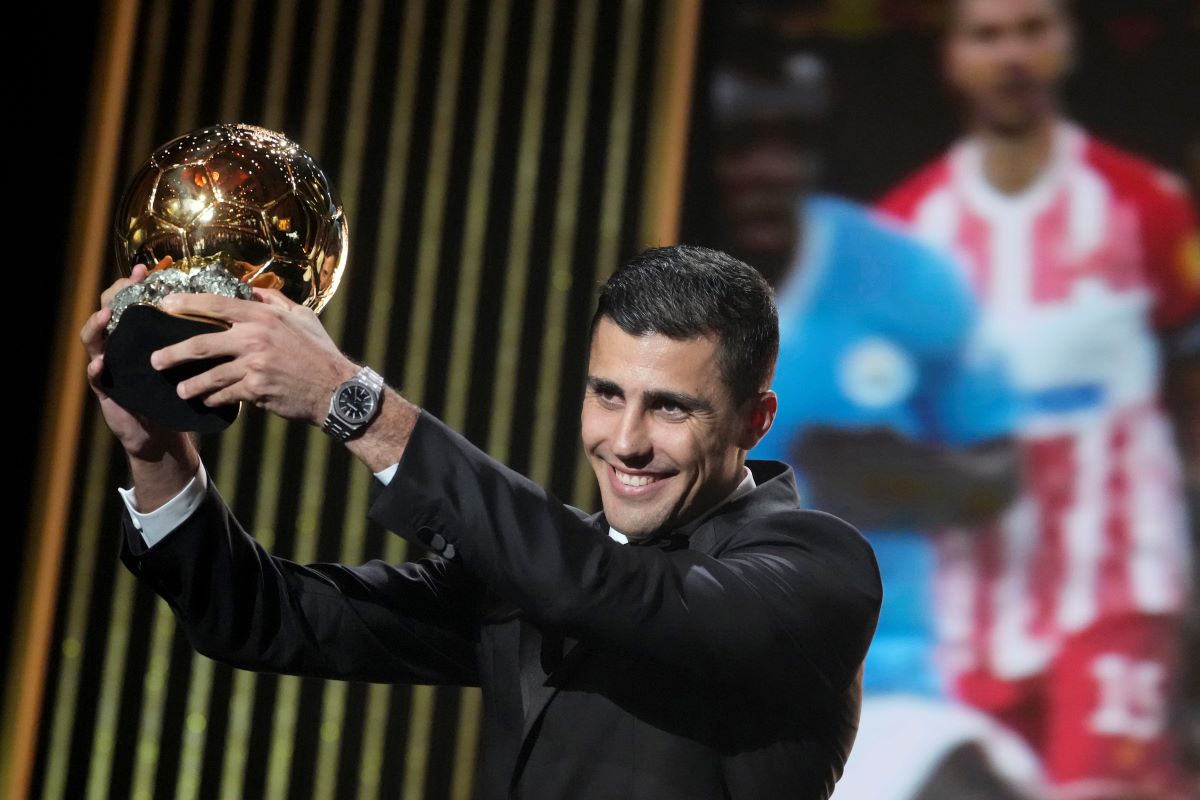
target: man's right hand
<point>159,457</point>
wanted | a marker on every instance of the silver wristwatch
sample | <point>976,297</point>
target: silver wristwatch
<point>354,404</point>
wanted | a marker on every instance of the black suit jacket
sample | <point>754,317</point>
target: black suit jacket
<point>724,664</point>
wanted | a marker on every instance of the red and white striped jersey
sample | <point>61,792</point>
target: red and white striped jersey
<point>1076,275</point>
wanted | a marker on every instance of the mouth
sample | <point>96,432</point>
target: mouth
<point>1018,87</point>
<point>627,484</point>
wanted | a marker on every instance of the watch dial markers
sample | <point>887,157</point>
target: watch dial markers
<point>355,402</point>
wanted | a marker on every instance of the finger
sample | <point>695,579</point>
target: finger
<point>95,368</point>
<point>135,276</point>
<point>230,395</point>
<point>138,273</point>
<point>106,297</point>
<point>92,334</point>
<point>273,297</point>
<point>266,280</point>
<point>237,392</point>
<point>203,345</point>
<point>229,309</point>
<point>214,379</point>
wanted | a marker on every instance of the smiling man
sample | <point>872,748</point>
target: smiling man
<point>670,412</point>
<point>710,646</point>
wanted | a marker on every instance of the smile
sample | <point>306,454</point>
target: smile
<point>629,485</point>
<point>635,480</point>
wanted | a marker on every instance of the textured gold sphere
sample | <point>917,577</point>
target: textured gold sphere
<point>241,196</point>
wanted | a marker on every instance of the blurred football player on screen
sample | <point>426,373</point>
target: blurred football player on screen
<point>1064,618</point>
<point>893,416</point>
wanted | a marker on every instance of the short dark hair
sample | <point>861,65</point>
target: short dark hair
<point>686,291</point>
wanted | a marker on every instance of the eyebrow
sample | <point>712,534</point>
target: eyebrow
<point>653,397</point>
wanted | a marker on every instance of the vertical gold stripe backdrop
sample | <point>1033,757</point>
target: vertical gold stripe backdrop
<point>496,161</point>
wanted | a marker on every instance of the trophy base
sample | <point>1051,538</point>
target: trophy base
<point>134,384</point>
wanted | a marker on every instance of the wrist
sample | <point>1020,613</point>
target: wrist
<point>151,448</point>
<point>159,477</point>
<point>354,405</point>
<point>382,443</point>
<point>343,370</point>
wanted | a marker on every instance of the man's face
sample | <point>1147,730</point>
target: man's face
<point>1007,58</point>
<point>761,173</point>
<point>660,429</point>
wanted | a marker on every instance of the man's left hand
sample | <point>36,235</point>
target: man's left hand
<point>283,359</point>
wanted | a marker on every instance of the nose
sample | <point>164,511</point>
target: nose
<point>1018,50</point>
<point>631,441</point>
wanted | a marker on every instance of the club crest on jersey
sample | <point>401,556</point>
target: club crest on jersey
<point>874,373</point>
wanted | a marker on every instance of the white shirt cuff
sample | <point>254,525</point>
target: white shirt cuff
<point>156,524</point>
<point>385,475</point>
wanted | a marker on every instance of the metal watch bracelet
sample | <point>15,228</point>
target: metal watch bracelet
<point>342,429</point>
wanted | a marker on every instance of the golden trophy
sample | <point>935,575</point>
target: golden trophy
<point>218,210</point>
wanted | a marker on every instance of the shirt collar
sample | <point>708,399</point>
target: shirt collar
<point>744,487</point>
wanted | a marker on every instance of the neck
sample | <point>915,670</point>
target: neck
<point>1012,161</point>
<point>729,488</point>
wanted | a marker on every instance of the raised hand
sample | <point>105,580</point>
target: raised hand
<point>140,437</point>
<point>283,359</point>
<point>161,460</point>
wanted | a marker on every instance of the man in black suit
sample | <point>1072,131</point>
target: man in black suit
<point>701,637</point>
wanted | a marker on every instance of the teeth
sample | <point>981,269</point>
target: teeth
<point>634,480</point>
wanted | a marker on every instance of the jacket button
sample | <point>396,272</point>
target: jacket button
<point>449,551</point>
<point>438,542</point>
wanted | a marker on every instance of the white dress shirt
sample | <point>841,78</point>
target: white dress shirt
<point>156,524</point>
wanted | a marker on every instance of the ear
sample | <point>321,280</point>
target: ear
<point>759,414</point>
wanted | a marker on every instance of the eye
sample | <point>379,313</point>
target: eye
<point>607,397</point>
<point>984,34</point>
<point>672,410</point>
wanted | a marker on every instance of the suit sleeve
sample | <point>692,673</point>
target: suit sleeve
<point>792,602</point>
<point>238,604</point>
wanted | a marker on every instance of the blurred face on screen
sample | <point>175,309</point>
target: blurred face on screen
<point>762,170</point>
<point>1007,58</point>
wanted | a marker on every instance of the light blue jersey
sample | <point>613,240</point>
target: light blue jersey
<point>877,329</point>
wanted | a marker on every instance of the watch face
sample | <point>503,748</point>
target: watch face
<point>355,403</point>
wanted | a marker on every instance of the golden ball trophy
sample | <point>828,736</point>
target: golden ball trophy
<point>218,210</point>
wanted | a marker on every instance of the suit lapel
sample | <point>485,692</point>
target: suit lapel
<point>545,661</point>
<point>546,657</point>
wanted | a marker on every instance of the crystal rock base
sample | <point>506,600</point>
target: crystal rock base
<point>212,278</point>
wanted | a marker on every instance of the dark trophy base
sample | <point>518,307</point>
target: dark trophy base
<point>135,385</point>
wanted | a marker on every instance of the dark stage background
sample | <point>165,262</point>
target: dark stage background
<point>493,159</point>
